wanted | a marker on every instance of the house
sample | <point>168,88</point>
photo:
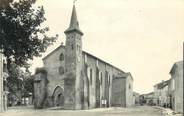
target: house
<point>177,86</point>
<point>161,94</point>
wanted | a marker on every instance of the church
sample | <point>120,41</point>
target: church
<point>75,79</point>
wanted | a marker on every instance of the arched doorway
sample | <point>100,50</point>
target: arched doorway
<point>58,97</point>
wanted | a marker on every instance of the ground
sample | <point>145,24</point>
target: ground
<point>134,111</point>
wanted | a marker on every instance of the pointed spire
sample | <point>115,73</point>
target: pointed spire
<point>74,25</point>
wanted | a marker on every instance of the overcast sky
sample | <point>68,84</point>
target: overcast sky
<point>144,37</point>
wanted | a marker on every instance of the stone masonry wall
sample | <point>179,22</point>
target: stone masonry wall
<point>106,73</point>
<point>118,91</point>
<point>53,64</point>
<point>129,91</point>
<point>179,88</point>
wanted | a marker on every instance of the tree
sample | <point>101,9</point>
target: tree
<point>21,34</point>
<point>29,85</point>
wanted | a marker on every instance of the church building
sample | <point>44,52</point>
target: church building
<point>75,79</point>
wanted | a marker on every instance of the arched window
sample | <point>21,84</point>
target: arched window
<point>109,79</point>
<point>61,57</point>
<point>101,78</point>
<point>61,70</point>
<point>91,74</point>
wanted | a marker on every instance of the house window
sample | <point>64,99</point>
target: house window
<point>61,57</point>
<point>91,71</point>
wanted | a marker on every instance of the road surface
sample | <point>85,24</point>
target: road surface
<point>134,111</point>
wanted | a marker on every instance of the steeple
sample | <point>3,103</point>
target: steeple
<point>74,25</point>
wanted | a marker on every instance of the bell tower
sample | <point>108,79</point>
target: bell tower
<point>73,64</point>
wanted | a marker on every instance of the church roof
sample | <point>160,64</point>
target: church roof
<point>102,61</point>
<point>74,25</point>
<point>124,75</point>
<point>62,46</point>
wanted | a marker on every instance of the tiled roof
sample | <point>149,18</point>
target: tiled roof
<point>162,84</point>
<point>175,65</point>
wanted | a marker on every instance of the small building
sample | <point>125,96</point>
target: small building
<point>122,91</point>
<point>147,99</point>
<point>177,86</point>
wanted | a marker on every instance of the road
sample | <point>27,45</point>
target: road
<point>134,111</point>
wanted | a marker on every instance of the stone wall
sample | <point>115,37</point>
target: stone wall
<point>129,91</point>
<point>40,90</point>
<point>55,66</point>
<point>95,78</point>
<point>118,91</point>
<point>100,81</point>
<point>179,87</point>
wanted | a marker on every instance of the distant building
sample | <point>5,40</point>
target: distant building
<point>81,79</point>
<point>177,86</point>
<point>171,89</point>
<point>147,99</point>
<point>136,98</point>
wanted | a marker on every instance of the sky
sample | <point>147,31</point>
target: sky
<point>143,37</point>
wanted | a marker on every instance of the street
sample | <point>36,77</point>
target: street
<point>134,111</point>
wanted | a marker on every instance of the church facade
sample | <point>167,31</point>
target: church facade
<point>74,79</point>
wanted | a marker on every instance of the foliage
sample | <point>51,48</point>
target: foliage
<point>19,81</point>
<point>29,85</point>
<point>14,81</point>
<point>21,34</point>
